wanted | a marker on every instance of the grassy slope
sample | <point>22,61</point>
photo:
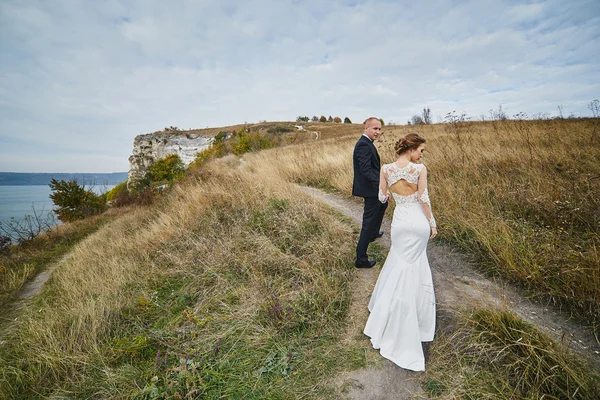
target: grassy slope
<point>238,285</point>
<point>25,261</point>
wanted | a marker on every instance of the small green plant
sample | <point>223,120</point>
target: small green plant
<point>278,363</point>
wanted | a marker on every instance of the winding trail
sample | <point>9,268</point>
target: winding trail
<point>14,309</point>
<point>458,288</point>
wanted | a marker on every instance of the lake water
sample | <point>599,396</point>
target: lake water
<point>17,201</point>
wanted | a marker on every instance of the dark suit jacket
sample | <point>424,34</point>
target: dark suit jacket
<point>366,168</point>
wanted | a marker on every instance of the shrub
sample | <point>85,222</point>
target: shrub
<point>337,120</point>
<point>417,120</point>
<point>116,191</point>
<point>166,170</point>
<point>26,229</point>
<point>241,143</point>
<point>245,142</point>
<point>121,196</point>
<point>323,118</point>
<point>216,150</point>
<point>279,129</point>
<point>347,120</point>
<point>74,201</point>
<point>220,137</point>
<point>5,243</point>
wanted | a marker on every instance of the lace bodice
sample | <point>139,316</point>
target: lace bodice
<point>410,173</point>
<point>410,199</point>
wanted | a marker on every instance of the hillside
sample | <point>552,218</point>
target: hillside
<point>239,285</point>
<point>329,129</point>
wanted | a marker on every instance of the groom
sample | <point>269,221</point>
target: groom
<point>366,184</point>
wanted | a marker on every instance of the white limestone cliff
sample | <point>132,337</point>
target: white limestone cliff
<point>153,146</point>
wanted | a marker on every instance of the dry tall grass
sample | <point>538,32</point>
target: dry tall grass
<point>236,285</point>
<point>523,195</point>
<point>496,355</point>
<point>23,262</point>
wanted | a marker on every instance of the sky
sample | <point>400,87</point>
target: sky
<point>80,79</point>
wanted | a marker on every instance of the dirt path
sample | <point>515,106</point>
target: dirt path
<point>458,287</point>
<point>12,310</point>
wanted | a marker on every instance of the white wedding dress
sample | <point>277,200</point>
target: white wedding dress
<point>402,305</point>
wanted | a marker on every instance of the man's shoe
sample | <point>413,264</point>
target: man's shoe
<point>367,265</point>
<point>380,234</point>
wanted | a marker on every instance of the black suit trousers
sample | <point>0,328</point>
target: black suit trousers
<point>371,223</point>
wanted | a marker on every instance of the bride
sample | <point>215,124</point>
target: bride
<point>402,305</point>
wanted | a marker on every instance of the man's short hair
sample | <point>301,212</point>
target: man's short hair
<point>370,119</point>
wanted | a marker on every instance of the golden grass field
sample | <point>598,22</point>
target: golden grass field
<point>236,285</point>
<point>522,195</point>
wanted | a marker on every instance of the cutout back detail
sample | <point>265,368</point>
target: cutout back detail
<point>403,182</point>
<point>403,188</point>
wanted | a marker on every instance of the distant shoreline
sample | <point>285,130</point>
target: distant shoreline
<point>44,178</point>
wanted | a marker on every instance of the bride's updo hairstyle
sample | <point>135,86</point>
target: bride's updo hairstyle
<point>411,141</point>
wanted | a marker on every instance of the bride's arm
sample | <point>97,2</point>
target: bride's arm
<point>383,189</point>
<point>423,196</point>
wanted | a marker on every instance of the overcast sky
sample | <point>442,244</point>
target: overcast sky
<point>80,79</point>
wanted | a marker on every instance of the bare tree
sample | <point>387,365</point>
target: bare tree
<point>426,114</point>
<point>28,228</point>
<point>417,119</point>
<point>594,107</point>
<point>499,115</point>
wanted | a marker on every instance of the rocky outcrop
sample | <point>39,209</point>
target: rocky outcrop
<point>153,146</point>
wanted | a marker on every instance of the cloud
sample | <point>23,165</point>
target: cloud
<point>85,78</point>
